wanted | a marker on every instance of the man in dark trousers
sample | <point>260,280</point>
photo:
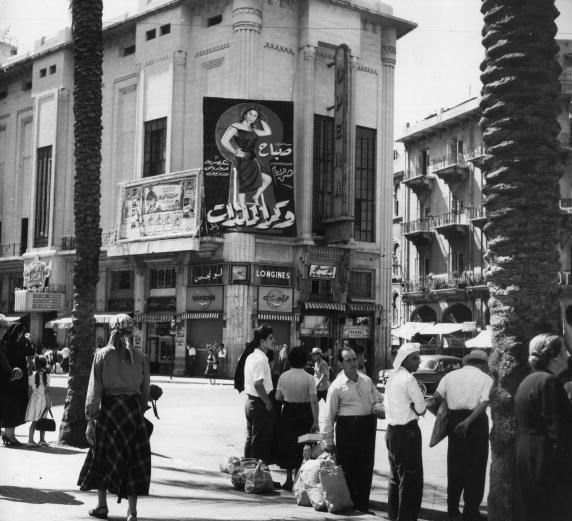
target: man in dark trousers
<point>404,403</point>
<point>466,391</point>
<point>349,403</point>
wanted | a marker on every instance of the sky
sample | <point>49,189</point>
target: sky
<point>437,63</point>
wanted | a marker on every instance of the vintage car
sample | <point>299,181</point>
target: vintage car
<point>431,369</point>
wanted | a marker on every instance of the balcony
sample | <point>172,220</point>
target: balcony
<point>451,225</point>
<point>10,249</point>
<point>476,215</point>
<point>420,184</point>
<point>419,232</point>
<point>476,155</point>
<point>452,168</point>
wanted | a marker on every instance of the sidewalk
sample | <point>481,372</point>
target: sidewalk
<point>199,426</point>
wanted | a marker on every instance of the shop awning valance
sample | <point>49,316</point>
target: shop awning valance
<point>207,315</point>
<point>329,306</point>
<point>442,328</point>
<point>6,320</point>
<point>409,329</point>
<point>153,317</point>
<point>66,322</point>
<point>364,306</point>
<point>288,317</point>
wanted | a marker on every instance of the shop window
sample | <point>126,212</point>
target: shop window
<point>42,208</point>
<point>323,166</point>
<point>364,223</point>
<point>361,284</point>
<point>161,278</point>
<point>121,280</point>
<point>155,145</point>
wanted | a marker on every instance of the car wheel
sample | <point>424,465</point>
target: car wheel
<point>423,388</point>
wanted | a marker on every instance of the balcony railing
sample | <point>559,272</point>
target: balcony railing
<point>447,218</point>
<point>447,160</point>
<point>565,205</point>
<point>68,243</point>
<point>565,139</point>
<point>420,225</point>
<point>107,236</point>
<point>10,249</point>
<point>475,212</point>
<point>410,173</point>
<point>431,282</point>
<point>475,152</point>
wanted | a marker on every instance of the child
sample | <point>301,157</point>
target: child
<point>39,401</point>
<point>212,367</point>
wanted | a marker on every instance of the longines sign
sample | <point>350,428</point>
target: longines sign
<point>266,274</point>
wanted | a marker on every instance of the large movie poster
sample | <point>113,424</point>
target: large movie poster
<point>249,166</point>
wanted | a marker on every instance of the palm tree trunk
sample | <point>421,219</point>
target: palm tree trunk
<point>520,129</point>
<point>88,57</point>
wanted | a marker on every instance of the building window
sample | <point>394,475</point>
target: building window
<point>23,235</point>
<point>150,34</point>
<point>364,223</point>
<point>396,201</point>
<point>130,49</point>
<point>43,183</point>
<point>52,69</point>
<point>155,145</point>
<point>27,85</point>
<point>214,20</point>
<point>323,167</point>
<point>322,288</point>
<point>43,72</point>
<point>164,29</point>
<point>121,280</point>
<point>423,165</point>
<point>457,262</point>
<point>163,278</point>
<point>3,94</point>
<point>361,284</point>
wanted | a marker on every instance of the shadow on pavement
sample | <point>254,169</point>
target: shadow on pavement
<point>56,449</point>
<point>33,495</point>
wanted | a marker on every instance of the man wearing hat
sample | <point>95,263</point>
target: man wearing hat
<point>321,373</point>
<point>466,391</point>
<point>404,403</point>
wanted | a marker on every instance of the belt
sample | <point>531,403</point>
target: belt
<point>410,425</point>
<point>252,397</point>
<point>348,419</point>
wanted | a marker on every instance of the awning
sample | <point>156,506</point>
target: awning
<point>153,317</point>
<point>365,307</point>
<point>329,306</point>
<point>289,317</point>
<point>212,315</point>
<point>6,320</point>
<point>483,339</point>
<point>409,329</point>
<point>66,322</point>
<point>442,328</point>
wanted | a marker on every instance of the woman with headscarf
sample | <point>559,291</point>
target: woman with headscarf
<point>14,348</point>
<point>543,464</point>
<point>119,460</point>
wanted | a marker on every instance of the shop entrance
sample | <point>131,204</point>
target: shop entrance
<point>161,347</point>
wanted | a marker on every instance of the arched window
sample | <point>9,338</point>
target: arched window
<point>458,313</point>
<point>424,314</point>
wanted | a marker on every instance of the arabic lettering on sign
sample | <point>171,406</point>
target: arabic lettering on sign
<point>318,271</point>
<point>257,216</point>
<point>218,167</point>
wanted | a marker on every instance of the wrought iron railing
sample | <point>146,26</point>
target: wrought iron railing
<point>447,160</point>
<point>10,249</point>
<point>419,225</point>
<point>447,218</point>
<point>475,212</point>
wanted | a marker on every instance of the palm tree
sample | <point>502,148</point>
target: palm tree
<point>519,110</point>
<point>88,57</point>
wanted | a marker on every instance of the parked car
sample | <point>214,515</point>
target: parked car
<point>431,369</point>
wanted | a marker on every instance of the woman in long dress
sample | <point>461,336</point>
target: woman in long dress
<point>543,465</point>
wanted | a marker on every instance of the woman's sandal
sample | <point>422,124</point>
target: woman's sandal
<point>99,512</point>
<point>131,517</point>
<point>9,442</point>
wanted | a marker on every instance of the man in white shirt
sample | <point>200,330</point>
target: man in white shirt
<point>258,386</point>
<point>404,403</point>
<point>349,403</point>
<point>466,391</point>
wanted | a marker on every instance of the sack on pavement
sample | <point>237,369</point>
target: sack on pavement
<point>229,465</point>
<point>335,488</point>
<point>258,479</point>
<point>238,475</point>
<point>309,483</point>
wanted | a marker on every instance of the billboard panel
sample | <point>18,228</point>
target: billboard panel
<point>249,166</point>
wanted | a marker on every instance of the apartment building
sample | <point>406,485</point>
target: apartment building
<point>438,218</point>
<point>195,258</point>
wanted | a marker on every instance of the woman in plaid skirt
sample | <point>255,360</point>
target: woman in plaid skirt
<point>119,460</point>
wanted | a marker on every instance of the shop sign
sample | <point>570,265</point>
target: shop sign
<point>275,299</point>
<point>268,275</point>
<point>161,304</point>
<point>35,275</point>
<point>206,274</point>
<point>315,325</point>
<point>356,332</point>
<point>46,301</point>
<point>322,271</point>
<point>204,298</point>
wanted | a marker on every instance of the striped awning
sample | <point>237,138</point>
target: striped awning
<point>330,306</point>
<point>364,306</point>
<point>66,322</point>
<point>288,317</point>
<point>153,317</point>
<point>6,320</point>
<point>208,315</point>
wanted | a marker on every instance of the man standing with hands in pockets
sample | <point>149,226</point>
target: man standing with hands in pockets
<point>404,403</point>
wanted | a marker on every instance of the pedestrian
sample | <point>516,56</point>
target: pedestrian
<point>65,360</point>
<point>40,401</point>
<point>349,404</point>
<point>404,403</point>
<point>260,417</point>
<point>361,358</point>
<point>296,391</point>
<point>221,357</point>
<point>119,458</point>
<point>321,373</point>
<point>16,347</point>
<point>543,448</point>
<point>466,392</point>
<point>211,369</point>
<point>191,359</point>
<point>283,358</point>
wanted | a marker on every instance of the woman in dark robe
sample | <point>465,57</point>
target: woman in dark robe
<point>15,347</point>
<point>543,465</point>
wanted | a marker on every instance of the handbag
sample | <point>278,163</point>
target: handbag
<point>46,424</point>
<point>258,479</point>
<point>440,427</point>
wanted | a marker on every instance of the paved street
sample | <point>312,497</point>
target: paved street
<point>200,425</point>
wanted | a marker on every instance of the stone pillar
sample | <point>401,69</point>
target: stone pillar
<point>247,55</point>
<point>305,144</point>
<point>178,112</point>
<point>385,187</point>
